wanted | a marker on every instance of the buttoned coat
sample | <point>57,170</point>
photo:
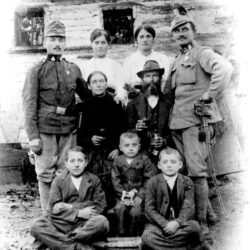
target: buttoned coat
<point>131,176</point>
<point>50,84</point>
<point>63,190</point>
<point>157,200</point>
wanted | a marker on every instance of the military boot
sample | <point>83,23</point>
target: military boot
<point>201,203</point>
<point>212,218</point>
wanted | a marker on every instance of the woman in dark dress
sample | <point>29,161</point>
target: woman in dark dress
<point>102,122</point>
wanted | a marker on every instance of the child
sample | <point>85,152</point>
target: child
<point>169,206</point>
<point>75,205</point>
<point>130,173</point>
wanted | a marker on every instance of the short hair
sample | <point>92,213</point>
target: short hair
<point>77,149</point>
<point>129,135</point>
<point>170,151</point>
<point>99,32</point>
<point>146,27</point>
<point>96,72</point>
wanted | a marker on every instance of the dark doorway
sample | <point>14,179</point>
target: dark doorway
<point>119,24</point>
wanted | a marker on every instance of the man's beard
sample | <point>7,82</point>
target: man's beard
<point>152,89</point>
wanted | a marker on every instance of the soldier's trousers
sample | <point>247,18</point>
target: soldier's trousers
<point>154,238</point>
<point>87,231</point>
<point>194,152</point>
<point>51,162</point>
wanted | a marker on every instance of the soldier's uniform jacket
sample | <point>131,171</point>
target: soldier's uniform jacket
<point>157,200</point>
<point>48,85</point>
<point>131,176</point>
<point>192,74</point>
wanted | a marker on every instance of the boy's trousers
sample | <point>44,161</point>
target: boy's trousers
<point>85,231</point>
<point>129,220</point>
<point>154,238</point>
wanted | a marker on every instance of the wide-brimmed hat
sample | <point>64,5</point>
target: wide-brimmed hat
<point>55,28</point>
<point>151,65</point>
<point>181,19</point>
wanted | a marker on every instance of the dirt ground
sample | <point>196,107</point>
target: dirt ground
<point>20,204</point>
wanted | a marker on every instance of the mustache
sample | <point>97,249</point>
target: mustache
<point>57,47</point>
<point>182,37</point>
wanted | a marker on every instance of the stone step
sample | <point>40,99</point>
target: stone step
<point>114,243</point>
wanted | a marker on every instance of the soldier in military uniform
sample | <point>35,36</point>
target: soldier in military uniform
<point>197,73</point>
<point>50,88</point>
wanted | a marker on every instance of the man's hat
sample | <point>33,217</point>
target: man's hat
<point>181,17</point>
<point>55,28</point>
<point>151,65</point>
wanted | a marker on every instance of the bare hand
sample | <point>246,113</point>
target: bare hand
<point>137,201</point>
<point>171,227</point>
<point>96,140</point>
<point>205,97</point>
<point>117,99</point>
<point>140,125</point>
<point>157,142</point>
<point>36,146</point>
<point>61,206</point>
<point>113,154</point>
<point>87,212</point>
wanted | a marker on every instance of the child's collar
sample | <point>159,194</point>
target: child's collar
<point>171,177</point>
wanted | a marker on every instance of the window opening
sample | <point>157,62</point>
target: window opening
<point>30,28</point>
<point>119,24</point>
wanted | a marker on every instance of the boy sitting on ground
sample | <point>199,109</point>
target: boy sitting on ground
<point>75,205</point>
<point>169,207</point>
<point>130,173</point>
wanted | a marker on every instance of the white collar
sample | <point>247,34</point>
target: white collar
<point>170,180</point>
<point>76,181</point>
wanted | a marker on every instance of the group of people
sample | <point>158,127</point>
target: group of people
<point>120,159</point>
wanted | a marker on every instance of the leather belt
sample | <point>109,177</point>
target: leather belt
<point>53,109</point>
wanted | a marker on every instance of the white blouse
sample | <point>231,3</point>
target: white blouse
<point>110,68</point>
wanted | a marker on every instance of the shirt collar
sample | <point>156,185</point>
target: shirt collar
<point>170,178</point>
<point>54,58</point>
<point>186,49</point>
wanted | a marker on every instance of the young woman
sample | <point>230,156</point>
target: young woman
<point>100,40</point>
<point>144,38</point>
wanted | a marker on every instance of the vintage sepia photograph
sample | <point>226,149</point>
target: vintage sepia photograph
<point>124,125</point>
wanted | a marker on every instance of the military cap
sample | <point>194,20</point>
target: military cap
<point>151,65</point>
<point>181,19</point>
<point>55,28</point>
